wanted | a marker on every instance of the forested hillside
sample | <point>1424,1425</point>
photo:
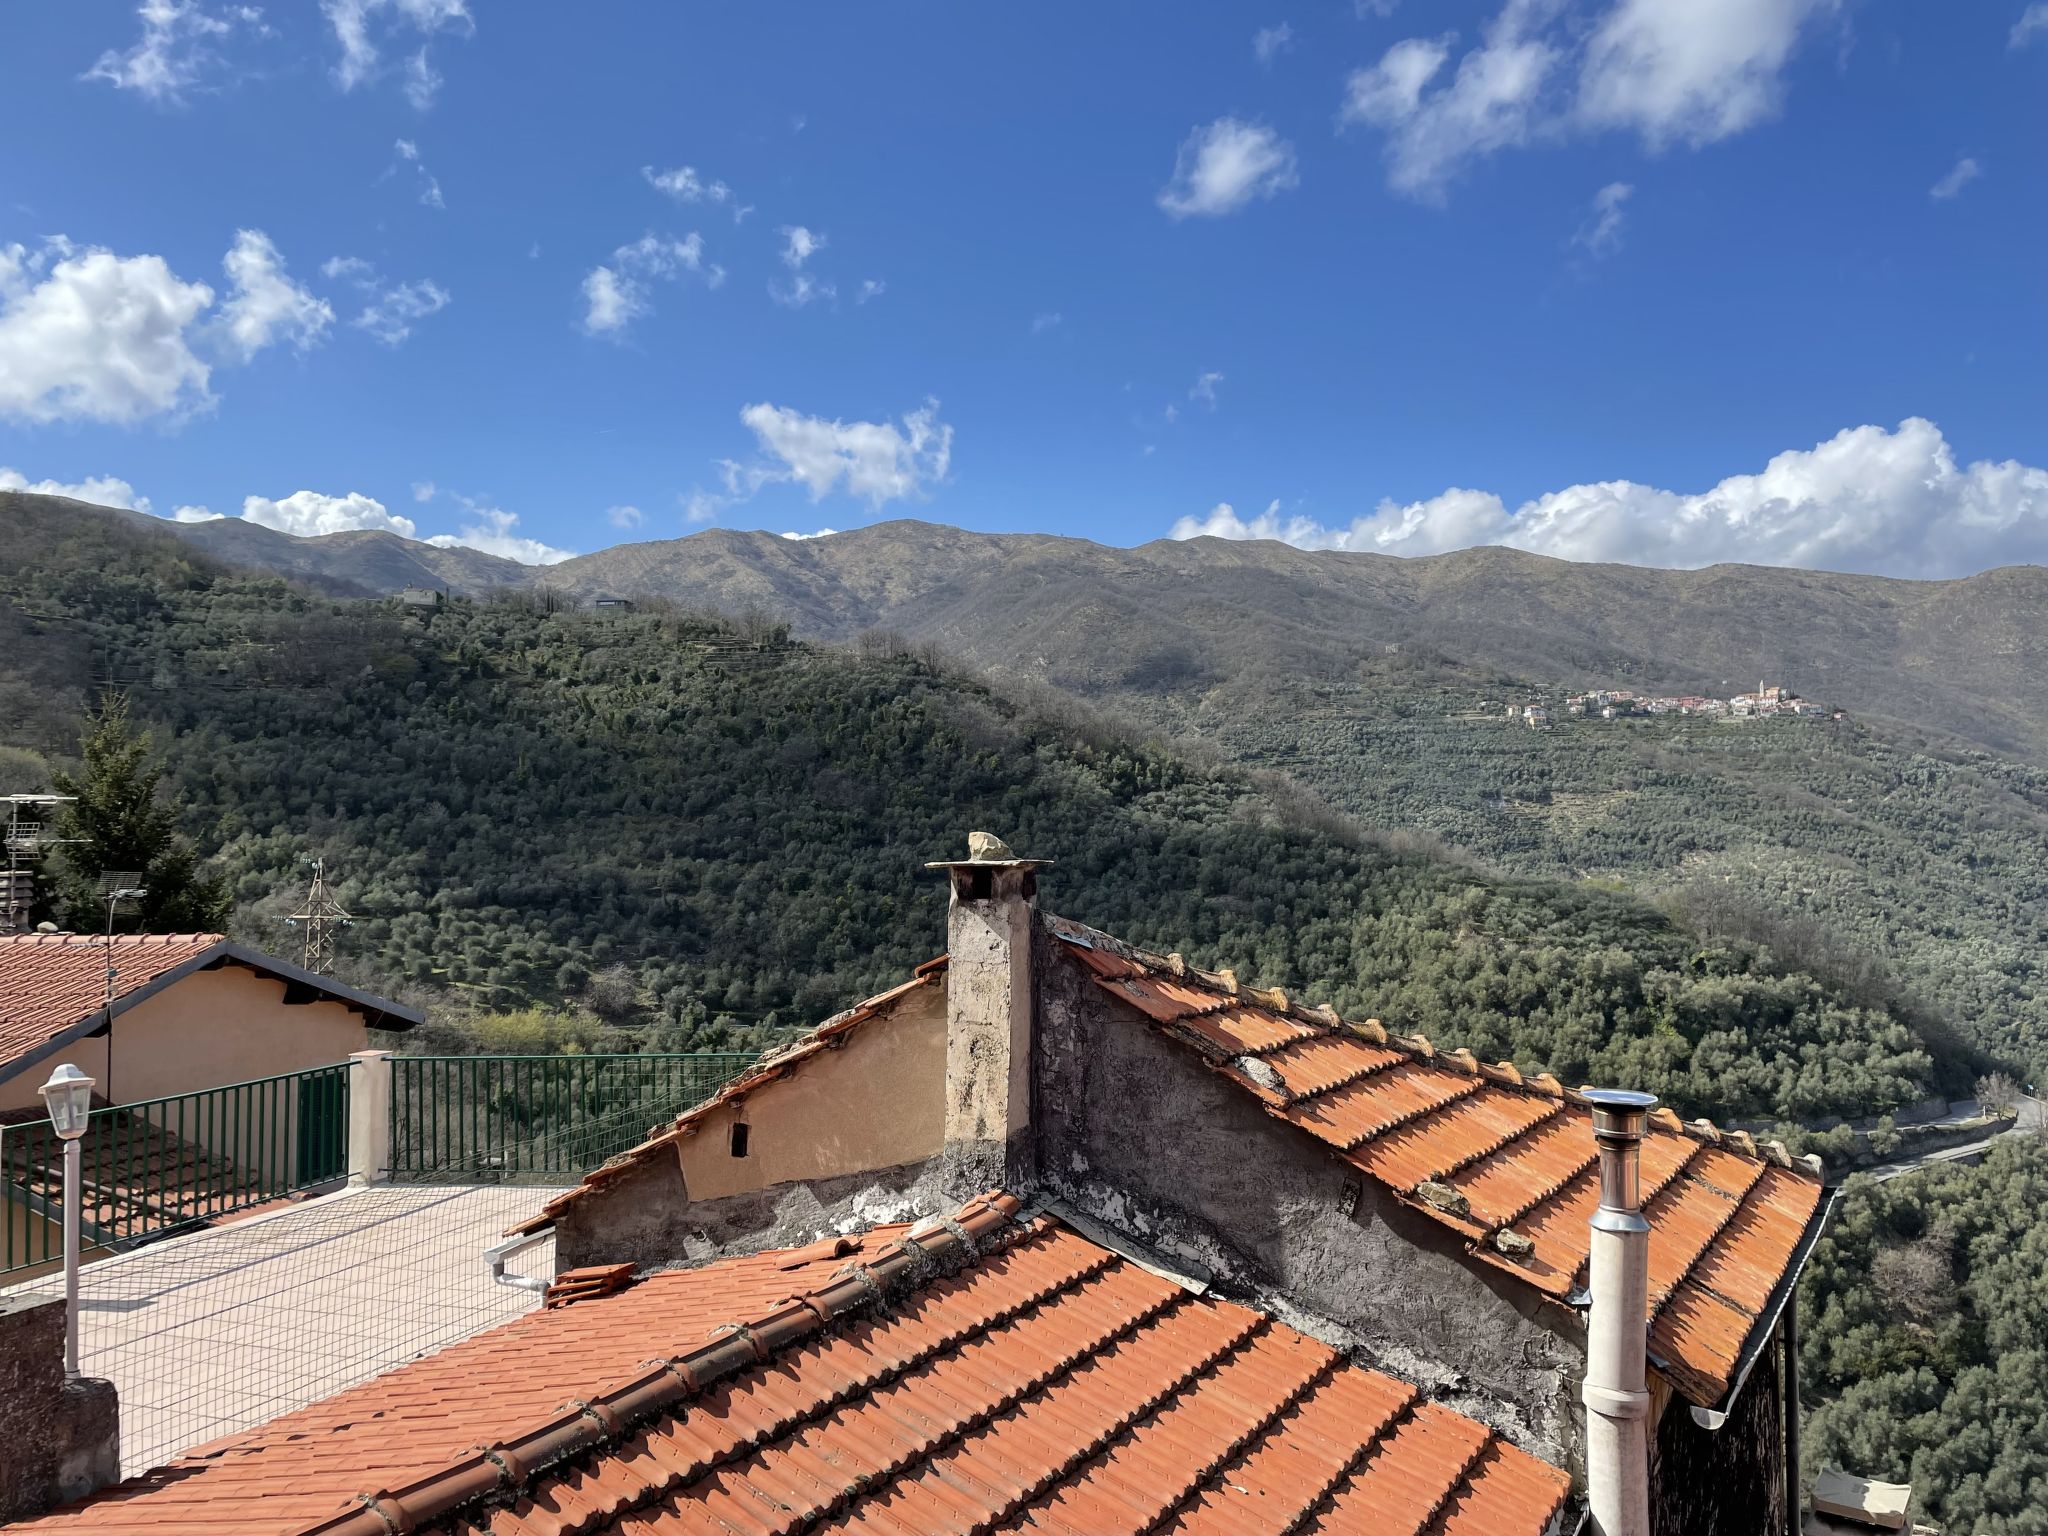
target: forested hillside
<point>1889,859</point>
<point>516,800</point>
<point>1924,1339</point>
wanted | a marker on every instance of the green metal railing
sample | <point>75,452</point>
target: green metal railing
<point>161,1164</point>
<point>538,1119</point>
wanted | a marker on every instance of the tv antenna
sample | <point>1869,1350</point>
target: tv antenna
<point>319,917</point>
<point>31,831</point>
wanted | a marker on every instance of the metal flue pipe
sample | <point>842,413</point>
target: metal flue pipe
<point>1616,1390</point>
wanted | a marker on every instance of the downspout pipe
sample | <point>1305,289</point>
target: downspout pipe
<point>496,1256</point>
<point>1789,1342</point>
<point>1616,1390</point>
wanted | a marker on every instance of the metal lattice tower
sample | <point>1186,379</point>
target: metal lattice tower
<point>29,835</point>
<point>320,916</point>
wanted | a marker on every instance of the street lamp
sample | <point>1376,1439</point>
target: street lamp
<point>68,1094</point>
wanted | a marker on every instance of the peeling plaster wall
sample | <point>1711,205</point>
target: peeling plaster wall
<point>1135,1130</point>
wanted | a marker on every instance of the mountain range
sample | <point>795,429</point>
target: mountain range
<point>1172,620</point>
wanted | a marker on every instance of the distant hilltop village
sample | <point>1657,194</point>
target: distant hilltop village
<point>1769,700</point>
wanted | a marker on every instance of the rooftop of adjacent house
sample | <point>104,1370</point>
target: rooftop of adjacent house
<point>53,986</point>
<point>991,1370</point>
<point>1505,1161</point>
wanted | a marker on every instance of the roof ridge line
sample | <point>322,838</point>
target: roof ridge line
<point>1503,1074</point>
<point>609,1416</point>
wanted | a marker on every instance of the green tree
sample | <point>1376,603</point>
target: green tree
<point>118,821</point>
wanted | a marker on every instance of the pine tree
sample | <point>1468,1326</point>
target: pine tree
<point>119,822</point>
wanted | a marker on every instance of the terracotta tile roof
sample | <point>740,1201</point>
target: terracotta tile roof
<point>53,985</point>
<point>51,981</point>
<point>1484,1150</point>
<point>769,1069</point>
<point>986,1372</point>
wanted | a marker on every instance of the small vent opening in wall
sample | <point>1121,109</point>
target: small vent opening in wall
<point>741,1132</point>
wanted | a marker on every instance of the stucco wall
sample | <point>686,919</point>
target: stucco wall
<point>1135,1130</point>
<point>212,1027</point>
<point>62,1438</point>
<point>842,1121</point>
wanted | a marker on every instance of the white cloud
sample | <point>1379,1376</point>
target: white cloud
<point>686,186</point>
<point>1045,320</point>
<point>1671,71</point>
<point>799,245</point>
<point>1490,101</point>
<point>389,316</point>
<point>1677,70</point>
<point>616,294</point>
<point>1268,43</point>
<point>1888,502</point>
<point>802,289</point>
<point>873,288</point>
<point>100,490</point>
<point>700,506</point>
<point>423,490</point>
<point>407,150</point>
<point>1960,176</point>
<point>876,461</point>
<point>88,335</point>
<point>1223,166</point>
<point>625,517</point>
<point>264,306</point>
<point>822,533</point>
<point>196,515</point>
<point>362,26</point>
<point>1204,389</point>
<point>2033,23</point>
<point>492,533</point>
<point>177,49</point>
<point>429,185</point>
<point>389,309</point>
<point>1600,235</point>
<point>309,514</point>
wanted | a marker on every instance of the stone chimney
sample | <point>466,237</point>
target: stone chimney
<point>990,927</point>
<point>62,1438</point>
<point>1616,1392</point>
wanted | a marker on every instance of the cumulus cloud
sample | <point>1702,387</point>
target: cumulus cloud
<point>2033,23</point>
<point>88,335</point>
<point>1204,389</point>
<point>490,529</point>
<point>799,244</point>
<point>876,461</point>
<point>1960,176</point>
<point>1222,167</point>
<point>363,27</point>
<point>625,517</point>
<point>800,538</point>
<point>309,514</point>
<point>1268,43</point>
<point>264,306</point>
<point>100,490</point>
<point>178,50</point>
<point>1670,71</point>
<point>616,294</point>
<point>1888,502</point>
<point>1600,235</point>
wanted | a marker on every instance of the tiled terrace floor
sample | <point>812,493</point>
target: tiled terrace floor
<point>208,1335</point>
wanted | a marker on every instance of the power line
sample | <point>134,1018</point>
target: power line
<point>320,916</point>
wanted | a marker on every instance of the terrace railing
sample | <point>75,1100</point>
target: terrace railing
<point>153,1167</point>
<point>538,1119</point>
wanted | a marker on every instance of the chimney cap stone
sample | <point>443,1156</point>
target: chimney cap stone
<point>987,851</point>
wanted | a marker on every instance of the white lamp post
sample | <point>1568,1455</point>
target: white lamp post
<point>68,1094</point>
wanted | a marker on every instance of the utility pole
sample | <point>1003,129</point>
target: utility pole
<point>320,916</point>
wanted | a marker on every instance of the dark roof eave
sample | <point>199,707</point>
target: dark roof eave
<point>378,1012</point>
<point>1774,1311</point>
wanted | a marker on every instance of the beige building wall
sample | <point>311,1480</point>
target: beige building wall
<point>876,1102</point>
<point>209,1029</point>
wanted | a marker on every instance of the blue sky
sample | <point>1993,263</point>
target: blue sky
<point>1654,280</point>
